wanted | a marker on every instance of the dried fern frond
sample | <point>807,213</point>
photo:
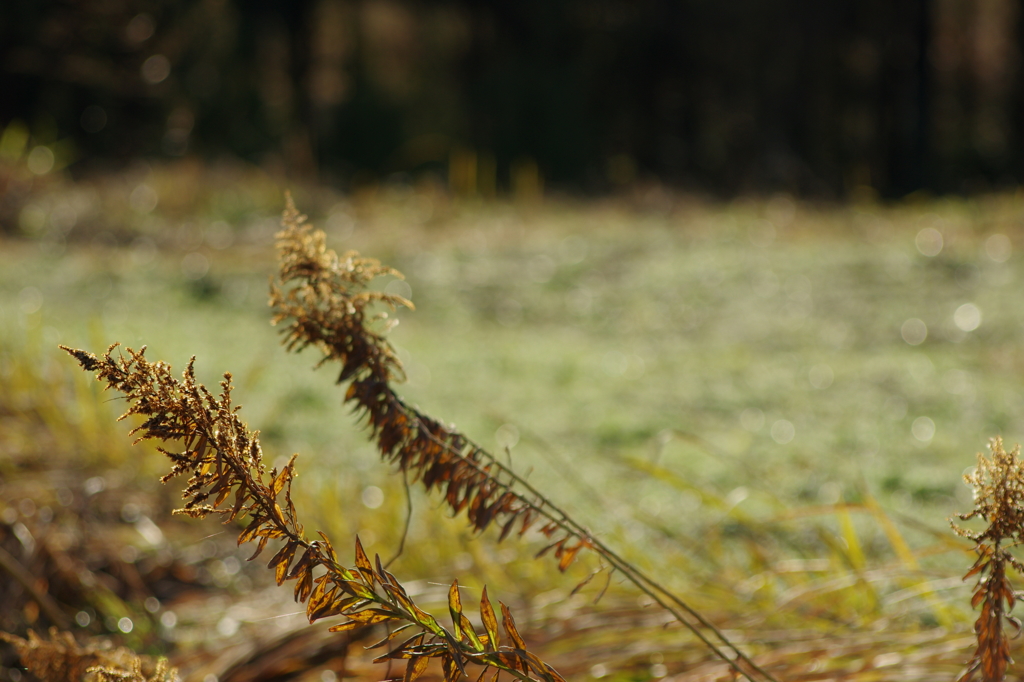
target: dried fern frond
<point>323,299</point>
<point>223,458</point>
<point>62,659</point>
<point>998,499</point>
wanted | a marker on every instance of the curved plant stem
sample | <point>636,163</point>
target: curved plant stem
<point>408,520</point>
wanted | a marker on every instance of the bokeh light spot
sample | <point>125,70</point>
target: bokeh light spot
<point>752,419</point>
<point>507,436</point>
<point>30,300</point>
<point>914,331</point>
<point>998,248</point>
<point>372,497</point>
<point>40,160</point>
<point>929,242</point>
<point>143,199</point>
<point>399,287</point>
<point>140,28</point>
<point>783,431</point>
<point>821,376</point>
<point>967,317</point>
<point>156,69</point>
<point>227,626</point>
<point>923,429</point>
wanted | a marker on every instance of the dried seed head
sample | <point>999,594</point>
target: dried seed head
<point>998,484</point>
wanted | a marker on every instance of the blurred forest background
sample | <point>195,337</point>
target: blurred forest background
<point>828,99</point>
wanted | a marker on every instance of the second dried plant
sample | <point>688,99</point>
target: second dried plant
<point>998,483</point>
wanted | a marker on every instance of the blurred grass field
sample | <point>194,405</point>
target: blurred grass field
<point>766,403</point>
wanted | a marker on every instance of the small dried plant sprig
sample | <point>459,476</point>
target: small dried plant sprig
<point>998,499</point>
<point>108,673</point>
<point>61,658</point>
<point>323,298</point>
<point>332,302</point>
<point>223,457</point>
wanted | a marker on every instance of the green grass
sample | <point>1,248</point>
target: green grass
<point>666,358</point>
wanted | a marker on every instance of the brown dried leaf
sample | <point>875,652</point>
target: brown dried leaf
<point>415,668</point>
<point>363,563</point>
<point>304,584</point>
<point>250,531</point>
<point>278,484</point>
<point>391,635</point>
<point>489,620</point>
<point>372,616</point>
<point>567,555</point>
<point>470,632</point>
<point>979,566</point>
<point>455,607</point>
<point>509,623</point>
<point>451,667</point>
<point>282,560</point>
<point>259,547</point>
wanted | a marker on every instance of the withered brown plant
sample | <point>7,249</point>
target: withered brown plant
<point>325,302</point>
<point>227,477</point>
<point>326,298</point>
<point>998,484</point>
<point>62,659</point>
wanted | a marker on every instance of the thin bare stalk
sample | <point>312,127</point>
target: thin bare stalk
<point>659,593</point>
<point>408,520</point>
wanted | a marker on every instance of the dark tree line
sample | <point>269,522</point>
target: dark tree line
<point>819,98</point>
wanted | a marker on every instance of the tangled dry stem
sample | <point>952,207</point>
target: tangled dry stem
<point>227,477</point>
<point>998,484</point>
<point>325,299</point>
